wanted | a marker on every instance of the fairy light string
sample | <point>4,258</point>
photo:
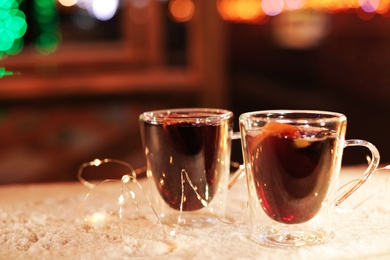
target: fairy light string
<point>128,194</point>
<point>126,179</point>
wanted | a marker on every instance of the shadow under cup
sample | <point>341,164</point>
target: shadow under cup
<point>188,163</point>
<point>292,162</point>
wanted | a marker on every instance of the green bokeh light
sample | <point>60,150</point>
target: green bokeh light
<point>47,18</point>
<point>13,26</point>
<point>17,47</point>
<point>3,72</point>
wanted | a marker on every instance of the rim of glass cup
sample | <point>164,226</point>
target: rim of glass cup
<point>297,116</point>
<point>203,114</point>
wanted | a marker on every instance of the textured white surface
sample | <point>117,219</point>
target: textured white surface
<point>43,222</point>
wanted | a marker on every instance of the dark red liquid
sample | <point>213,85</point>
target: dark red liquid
<point>292,171</point>
<point>175,146</point>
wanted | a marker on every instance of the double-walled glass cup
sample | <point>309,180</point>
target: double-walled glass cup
<point>292,162</point>
<point>188,163</point>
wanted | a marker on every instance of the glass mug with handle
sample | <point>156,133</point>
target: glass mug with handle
<point>188,163</point>
<point>292,162</point>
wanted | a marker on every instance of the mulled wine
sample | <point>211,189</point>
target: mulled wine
<point>186,158</point>
<point>292,169</point>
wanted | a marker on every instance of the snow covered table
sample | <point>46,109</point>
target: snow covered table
<point>42,221</point>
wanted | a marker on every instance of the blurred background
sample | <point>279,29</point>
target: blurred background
<point>75,74</point>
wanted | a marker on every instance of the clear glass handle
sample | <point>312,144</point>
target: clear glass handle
<point>240,172</point>
<point>369,171</point>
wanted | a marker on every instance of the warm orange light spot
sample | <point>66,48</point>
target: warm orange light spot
<point>181,10</point>
<point>252,10</point>
<point>351,4</point>
<point>238,10</point>
<point>383,7</point>
<point>328,5</point>
<point>248,10</point>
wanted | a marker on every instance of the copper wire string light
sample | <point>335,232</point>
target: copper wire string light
<point>112,202</point>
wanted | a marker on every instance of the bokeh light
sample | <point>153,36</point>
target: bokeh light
<point>369,6</point>
<point>231,10</point>
<point>181,10</point>
<point>67,3</point>
<point>102,10</point>
<point>4,72</point>
<point>13,26</point>
<point>272,7</point>
<point>294,4</point>
<point>241,11</point>
<point>300,29</point>
<point>47,19</point>
<point>383,8</point>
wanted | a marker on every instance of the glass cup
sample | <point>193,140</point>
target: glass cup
<point>188,163</point>
<point>292,162</point>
